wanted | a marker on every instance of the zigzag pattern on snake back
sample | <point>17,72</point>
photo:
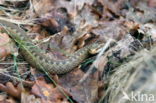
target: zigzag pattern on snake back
<point>38,59</point>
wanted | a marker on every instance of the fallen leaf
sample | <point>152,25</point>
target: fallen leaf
<point>142,13</point>
<point>111,30</point>
<point>8,100</point>
<point>81,93</point>
<point>152,3</point>
<point>2,1</point>
<point>80,41</point>
<point>48,92</point>
<point>73,5</point>
<point>29,98</point>
<point>11,89</point>
<point>6,46</point>
<point>38,4</point>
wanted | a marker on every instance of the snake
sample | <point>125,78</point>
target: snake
<point>39,60</point>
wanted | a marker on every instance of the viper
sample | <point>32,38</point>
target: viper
<point>36,58</point>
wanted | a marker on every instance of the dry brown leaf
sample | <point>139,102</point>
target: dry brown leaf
<point>73,6</point>
<point>6,46</point>
<point>53,22</point>
<point>112,9</point>
<point>9,100</point>
<point>152,3</point>
<point>2,1</point>
<point>88,20</point>
<point>111,30</point>
<point>142,13</point>
<point>80,41</point>
<point>81,93</point>
<point>42,6</point>
<point>48,92</point>
<point>11,89</point>
<point>3,96</point>
<point>28,98</point>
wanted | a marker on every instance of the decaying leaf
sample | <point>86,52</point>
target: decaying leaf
<point>60,27</point>
<point>152,3</point>
<point>11,89</point>
<point>80,41</point>
<point>2,1</point>
<point>28,98</point>
<point>8,100</point>
<point>143,14</point>
<point>73,5</point>
<point>47,4</point>
<point>111,30</point>
<point>6,45</point>
<point>87,91</point>
<point>47,92</point>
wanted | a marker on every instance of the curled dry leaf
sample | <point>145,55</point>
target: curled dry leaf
<point>11,89</point>
<point>131,25</point>
<point>110,6</point>
<point>80,41</point>
<point>53,22</point>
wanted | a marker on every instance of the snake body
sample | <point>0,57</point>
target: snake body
<point>38,59</point>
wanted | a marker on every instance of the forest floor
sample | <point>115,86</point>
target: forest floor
<point>125,65</point>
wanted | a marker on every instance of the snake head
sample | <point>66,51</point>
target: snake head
<point>96,48</point>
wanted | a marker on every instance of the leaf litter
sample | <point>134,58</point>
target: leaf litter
<point>61,27</point>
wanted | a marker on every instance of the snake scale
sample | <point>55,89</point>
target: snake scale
<point>33,55</point>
